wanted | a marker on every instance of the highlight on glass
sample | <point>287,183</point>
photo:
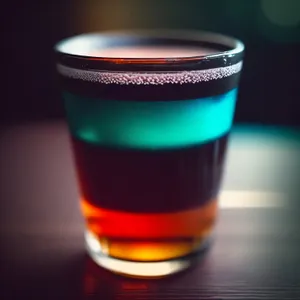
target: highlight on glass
<point>149,117</point>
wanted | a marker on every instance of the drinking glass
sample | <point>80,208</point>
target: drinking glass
<point>149,115</point>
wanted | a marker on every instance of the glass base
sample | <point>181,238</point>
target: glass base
<point>140,269</point>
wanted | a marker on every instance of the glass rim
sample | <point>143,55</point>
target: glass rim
<point>72,51</point>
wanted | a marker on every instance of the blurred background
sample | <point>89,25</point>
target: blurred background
<point>269,91</point>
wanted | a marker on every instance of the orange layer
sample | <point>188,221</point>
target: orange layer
<point>189,223</point>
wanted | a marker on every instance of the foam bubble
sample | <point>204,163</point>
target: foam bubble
<point>150,78</point>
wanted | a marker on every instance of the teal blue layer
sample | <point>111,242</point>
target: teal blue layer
<point>150,125</point>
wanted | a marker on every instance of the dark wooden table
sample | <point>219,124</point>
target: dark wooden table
<point>256,253</point>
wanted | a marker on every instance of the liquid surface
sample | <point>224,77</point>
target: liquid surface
<point>152,52</point>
